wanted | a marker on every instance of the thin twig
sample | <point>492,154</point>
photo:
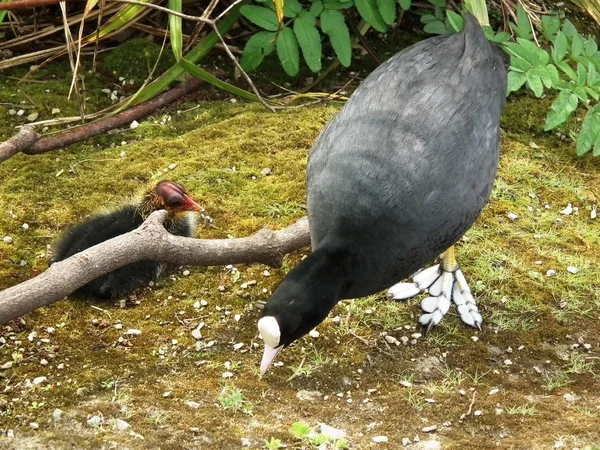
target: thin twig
<point>471,405</point>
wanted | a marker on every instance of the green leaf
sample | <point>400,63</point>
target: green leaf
<point>550,26</point>
<point>368,11</point>
<point>291,8</point>
<point>516,80</point>
<point>479,10</point>
<point>336,4</point>
<point>438,3</point>
<point>257,47</point>
<point>288,52</point>
<point>175,31</point>
<point>569,29</point>
<point>523,27</point>
<point>455,20</point>
<point>261,16</point>
<point>589,133</point>
<point>387,9</point>
<point>334,25</point>
<point>516,50</point>
<point>577,47</point>
<point>596,151</point>
<point>309,40</point>
<point>545,76</point>
<point>581,74</point>
<point>405,4</point>
<point>592,75</point>
<point>553,71</point>
<point>581,93</point>
<point>499,38</point>
<point>567,69</point>
<point>436,27</point>
<point>560,47</point>
<point>592,93</point>
<point>590,47</point>
<point>561,109</point>
<point>534,82</point>
<point>428,18</point>
<point>202,74</point>
<point>316,8</point>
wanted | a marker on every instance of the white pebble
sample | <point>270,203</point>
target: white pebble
<point>57,415</point>
<point>594,213</point>
<point>512,216</point>
<point>174,341</point>
<point>196,334</point>
<point>25,226</point>
<point>237,317</point>
<point>494,391</point>
<point>7,239</point>
<point>380,439</point>
<point>133,332</point>
<point>203,302</point>
<point>172,166</point>
<point>196,305</point>
<point>133,125</point>
<point>266,273</point>
<point>429,429</point>
<point>572,269</point>
<point>568,210</point>
<point>34,425</point>
<point>551,273</point>
<point>227,375</point>
<point>118,326</point>
<point>416,335</point>
<point>405,383</point>
<point>166,394</point>
<point>194,405</point>
<point>406,441</point>
<point>390,339</point>
<point>238,346</point>
<point>55,111</point>
<point>39,380</point>
<point>507,362</point>
<point>186,273</point>
<point>474,338</point>
<point>478,413</point>
<point>31,117</point>
<point>7,365</point>
<point>314,334</point>
<point>44,362</point>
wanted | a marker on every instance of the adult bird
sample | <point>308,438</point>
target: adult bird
<point>395,179</point>
<point>121,282</point>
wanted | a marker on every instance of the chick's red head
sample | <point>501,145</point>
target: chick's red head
<point>174,198</point>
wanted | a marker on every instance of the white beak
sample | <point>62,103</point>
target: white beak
<point>269,330</point>
<point>269,356</point>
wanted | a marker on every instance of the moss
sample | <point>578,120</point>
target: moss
<point>134,59</point>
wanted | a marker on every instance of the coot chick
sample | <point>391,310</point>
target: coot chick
<point>121,282</point>
<point>395,179</point>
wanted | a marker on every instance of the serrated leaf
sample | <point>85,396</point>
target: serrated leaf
<point>499,38</point>
<point>534,54</point>
<point>589,133</point>
<point>596,151</point>
<point>590,47</point>
<point>336,4</point>
<point>405,4</point>
<point>561,109</point>
<point>569,29</point>
<point>288,51</point>
<point>261,16</point>
<point>550,26</point>
<point>553,71</point>
<point>592,75</point>
<point>534,82</point>
<point>567,69</point>
<point>309,40</point>
<point>581,74</point>
<point>523,27</point>
<point>436,27</point>
<point>545,76</point>
<point>291,8</point>
<point>516,80</point>
<point>387,9</point>
<point>257,47</point>
<point>438,3</point>
<point>369,11</point>
<point>316,8</point>
<point>334,25</point>
<point>592,93</point>
<point>560,47</point>
<point>577,46</point>
<point>456,21</point>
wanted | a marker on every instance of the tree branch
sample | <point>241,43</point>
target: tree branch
<point>151,241</point>
<point>24,139</point>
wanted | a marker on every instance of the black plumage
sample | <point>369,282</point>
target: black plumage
<point>99,228</point>
<point>397,177</point>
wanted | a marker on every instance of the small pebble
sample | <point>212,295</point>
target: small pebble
<point>238,346</point>
<point>478,413</point>
<point>39,380</point>
<point>94,421</point>
<point>194,405</point>
<point>172,166</point>
<point>380,439</point>
<point>119,326</point>
<point>390,339</point>
<point>568,210</point>
<point>44,362</point>
<point>133,332</point>
<point>494,391</point>
<point>429,429</point>
<point>34,425</point>
<point>196,305</point>
<point>507,362</point>
<point>512,216</point>
<point>55,111</point>
<point>405,383</point>
<point>57,415</point>
<point>32,117</point>
<point>203,302</point>
<point>227,375</point>
<point>551,273</point>
<point>572,269</point>
<point>237,317</point>
<point>186,273</point>
<point>25,226</point>
<point>594,213</point>
<point>167,394</point>
<point>7,240</point>
<point>266,273</point>
<point>133,125</point>
<point>196,334</point>
<point>314,334</point>
<point>474,338</point>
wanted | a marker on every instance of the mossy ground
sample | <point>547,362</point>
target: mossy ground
<point>532,348</point>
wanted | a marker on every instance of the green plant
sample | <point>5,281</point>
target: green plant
<point>317,439</point>
<point>232,398</point>
<point>274,444</point>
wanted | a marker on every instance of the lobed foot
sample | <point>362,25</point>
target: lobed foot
<point>444,286</point>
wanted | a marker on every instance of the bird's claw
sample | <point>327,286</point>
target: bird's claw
<point>444,287</point>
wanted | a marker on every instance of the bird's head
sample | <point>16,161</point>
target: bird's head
<point>173,197</point>
<point>300,303</point>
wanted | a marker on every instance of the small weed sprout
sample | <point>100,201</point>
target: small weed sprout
<point>301,430</point>
<point>556,380</point>
<point>579,365</point>
<point>157,418</point>
<point>308,435</point>
<point>521,410</point>
<point>232,398</point>
<point>274,444</point>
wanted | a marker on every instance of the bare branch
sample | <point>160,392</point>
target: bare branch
<point>148,242</point>
<point>23,140</point>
